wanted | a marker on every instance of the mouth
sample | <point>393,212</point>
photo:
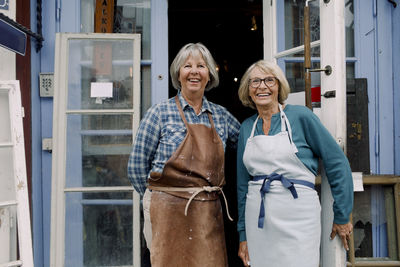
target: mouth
<point>194,80</point>
<point>263,95</point>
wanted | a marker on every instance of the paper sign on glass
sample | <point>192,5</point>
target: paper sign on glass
<point>358,181</point>
<point>101,89</point>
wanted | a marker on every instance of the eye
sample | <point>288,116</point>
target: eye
<point>256,80</point>
<point>270,79</point>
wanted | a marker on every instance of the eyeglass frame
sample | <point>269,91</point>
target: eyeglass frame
<point>263,80</point>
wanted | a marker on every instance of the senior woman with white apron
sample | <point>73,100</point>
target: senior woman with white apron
<point>278,153</point>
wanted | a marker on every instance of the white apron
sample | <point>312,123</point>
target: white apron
<point>284,229</point>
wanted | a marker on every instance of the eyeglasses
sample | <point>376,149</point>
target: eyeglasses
<point>269,81</point>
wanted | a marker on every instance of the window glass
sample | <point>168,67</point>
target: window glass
<point>5,133</point>
<point>294,26</point>
<point>293,13</point>
<point>374,220</point>
<point>130,16</point>
<point>100,74</point>
<point>99,229</point>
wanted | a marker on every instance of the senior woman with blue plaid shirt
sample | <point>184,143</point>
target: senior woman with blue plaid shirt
<point>178,154</point>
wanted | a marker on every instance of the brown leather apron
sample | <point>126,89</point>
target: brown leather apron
<point>185,210</point>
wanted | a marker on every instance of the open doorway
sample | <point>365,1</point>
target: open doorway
<point>232,31</point>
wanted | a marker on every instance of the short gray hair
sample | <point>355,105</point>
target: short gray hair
<point>193,49</point>
<point>267,67</point>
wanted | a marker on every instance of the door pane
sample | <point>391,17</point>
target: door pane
<point>98,150</point>
<point>5,134</point>
<point>374,218</point>
<point>7,187</point>
<point>100,74</point>
<point>294,26</point>
<point>99,229</point>
<point>8,234</point>
<point>131,16</point>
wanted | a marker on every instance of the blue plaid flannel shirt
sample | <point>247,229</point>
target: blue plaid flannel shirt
<point>162,130</point>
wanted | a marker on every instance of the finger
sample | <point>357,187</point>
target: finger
<point>333,234</point>
<point>247,260</point>
<point>344,241</point>
<point>242,256</point>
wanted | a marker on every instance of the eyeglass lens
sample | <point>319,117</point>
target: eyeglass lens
<point>269,81</point>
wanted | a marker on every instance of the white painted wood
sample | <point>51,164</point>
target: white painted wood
<point>333,114</point>
<point>59,190</point>
<point>269,19</point>
<point>19,196</point>
<point>295,50</point>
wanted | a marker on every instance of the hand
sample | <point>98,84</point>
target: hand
<point>344,231</point>
<point>244,253</point>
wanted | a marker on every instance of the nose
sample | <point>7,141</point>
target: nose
<point>263,84</point>
<point>194,70</point>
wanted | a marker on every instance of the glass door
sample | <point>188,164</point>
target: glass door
<point>95,211</point>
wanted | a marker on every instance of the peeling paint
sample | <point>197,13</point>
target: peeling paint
<point>20,185</point>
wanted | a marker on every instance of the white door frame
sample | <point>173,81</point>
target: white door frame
<point>333,110</point>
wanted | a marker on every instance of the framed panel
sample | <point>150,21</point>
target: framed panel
<point>15,226</point>
<point>96,113</point>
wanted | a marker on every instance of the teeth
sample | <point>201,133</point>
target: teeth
<point>263,94</point>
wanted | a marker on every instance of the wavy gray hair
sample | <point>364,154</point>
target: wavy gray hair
<point>267,67</point>
<point>194,49</point>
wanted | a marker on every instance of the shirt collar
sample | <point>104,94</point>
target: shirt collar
<point>205,107</point>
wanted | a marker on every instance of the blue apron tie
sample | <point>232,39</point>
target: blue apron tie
<point>266,185</point>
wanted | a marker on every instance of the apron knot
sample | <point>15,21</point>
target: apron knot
<point>266,185</point>
<point>209,189</point>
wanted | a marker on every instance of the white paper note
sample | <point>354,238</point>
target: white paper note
<point>358,181</point>
<point>101,89</point>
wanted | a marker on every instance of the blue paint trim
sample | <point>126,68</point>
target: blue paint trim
<point>280,26</point>
<point>159,51</point>
<point>365,68</point>
<point>37,210</point>
<point>396,86</point>
<point>385,88</point>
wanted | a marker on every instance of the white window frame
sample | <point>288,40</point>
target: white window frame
<point>21,200</point>
<point>333,110</point>
<point>59,190</point>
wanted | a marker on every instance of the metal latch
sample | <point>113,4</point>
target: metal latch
<point>329,94</point>
<point>327,70</point>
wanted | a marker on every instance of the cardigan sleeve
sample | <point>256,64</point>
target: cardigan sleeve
<point>243,178</point>
<point>335,163</point>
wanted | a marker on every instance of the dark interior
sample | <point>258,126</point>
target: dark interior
<point>224,27</point>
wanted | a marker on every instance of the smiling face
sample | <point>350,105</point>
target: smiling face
<point>263,96</point>
<point>194,75</point>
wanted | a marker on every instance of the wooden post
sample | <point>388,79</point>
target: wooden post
<point>307,56</point>
<point>333,114</point>
<point>104,16</point>
<point>102,51</point>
